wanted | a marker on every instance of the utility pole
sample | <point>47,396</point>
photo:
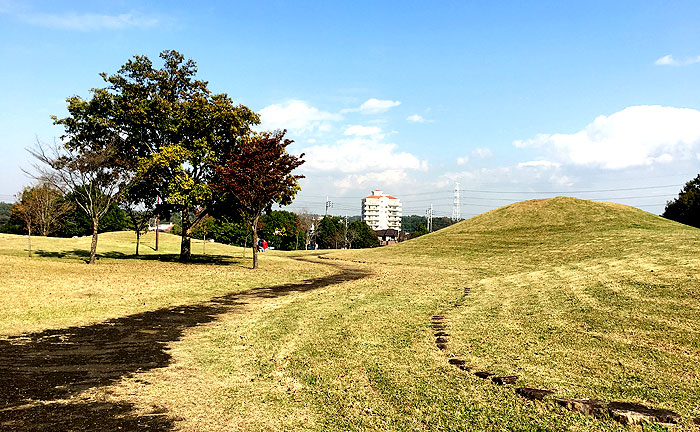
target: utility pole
<point>328,205</point>
<point>429,217</point>
<point>455,205</point>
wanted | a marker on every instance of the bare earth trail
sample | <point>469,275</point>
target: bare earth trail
<point>42,373</point>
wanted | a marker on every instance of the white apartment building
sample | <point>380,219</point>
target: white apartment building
<point>381,211</point>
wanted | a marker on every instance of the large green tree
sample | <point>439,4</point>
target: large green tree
<point>330,233</point>
<point>363,236</point>
<point>175,131</point>
<point>686,208</point>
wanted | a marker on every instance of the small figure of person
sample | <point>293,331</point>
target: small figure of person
<point>264,245</point>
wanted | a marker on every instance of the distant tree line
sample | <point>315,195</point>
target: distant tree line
<point>335,233</point>
<point>418,225</point>
<point>283,230</point>
<point>157,141</point>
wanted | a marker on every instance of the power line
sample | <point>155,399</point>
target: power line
<point>573,191</point>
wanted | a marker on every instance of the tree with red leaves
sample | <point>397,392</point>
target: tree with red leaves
<point>259,175</point>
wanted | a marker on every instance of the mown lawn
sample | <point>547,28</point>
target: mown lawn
<point>562,293</point>
<point>55,288</point>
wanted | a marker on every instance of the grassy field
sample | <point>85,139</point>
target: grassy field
<point>591,299</point>
<point>55,288</point>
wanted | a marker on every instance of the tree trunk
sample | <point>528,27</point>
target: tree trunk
<point>29,237</point>
<point>93,245</point>
<point>185,247</point>
<point>138,240</point>
<point>254,227</point>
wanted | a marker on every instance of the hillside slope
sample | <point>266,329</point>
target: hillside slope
<point>593,299</point>
<point>548,231</point>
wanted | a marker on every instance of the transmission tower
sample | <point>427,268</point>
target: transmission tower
<point>455,205</point>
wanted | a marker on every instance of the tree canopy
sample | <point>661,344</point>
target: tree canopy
<point>259,174</point>
<point>686,208</point>
<point>176,132</point>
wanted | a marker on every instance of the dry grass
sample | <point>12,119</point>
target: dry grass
<point>56,288</point>
<point>562,293</point>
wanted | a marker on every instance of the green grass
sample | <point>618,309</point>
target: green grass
<point>562,294</point>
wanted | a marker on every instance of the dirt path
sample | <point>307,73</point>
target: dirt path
<point>42,373</point>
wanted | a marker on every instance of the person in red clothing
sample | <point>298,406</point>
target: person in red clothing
<point>264,245</point>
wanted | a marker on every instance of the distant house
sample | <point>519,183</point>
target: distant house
<point>390,236</point>
<point>381,211</point>
<point>166,227</point>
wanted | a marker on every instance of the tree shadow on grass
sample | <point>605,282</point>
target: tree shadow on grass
<point>84,255</point>
<point>40,372</point>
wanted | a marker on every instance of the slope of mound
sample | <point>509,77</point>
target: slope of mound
<point>530,233</point>
<point>595,300</point>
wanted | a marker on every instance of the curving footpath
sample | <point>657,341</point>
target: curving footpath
<point>42,374</point>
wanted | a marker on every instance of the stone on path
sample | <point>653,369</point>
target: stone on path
<point>585,406</point>
<point>533,393</point>
<point>441,340</point>
<point>634,414</point>
<point>483,375</point>
<point>501,380</point>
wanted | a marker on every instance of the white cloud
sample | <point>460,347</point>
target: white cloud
<point>416,118</point>
<point>482,153</point>
<point>296,116</point>
<point>389,177</point>
<point>536,175</point>
<point>478,153</point>
<point>363,130</point>
<point>635,136</point>
<point>90,21</point>
<point>668,60</point>
<point>359,155</point>
<point>539,163</point>
<point>374,106</point>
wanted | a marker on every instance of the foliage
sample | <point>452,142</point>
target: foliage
<point>363,236</point>
<point>87,166</point>
<point>411,223</point>
<point>419,230</point>
<point>5,211</point>
<point>43,208</point>
<point>283,230</point>
<point>258,175</point>
<point>230,230</point>
<point>330,233</point>
<point>79,223</point>
<point>14,224</point>
<point>175,132</point>
<point>686,208</point>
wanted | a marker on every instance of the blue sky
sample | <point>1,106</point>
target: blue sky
<point>514,101</point>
